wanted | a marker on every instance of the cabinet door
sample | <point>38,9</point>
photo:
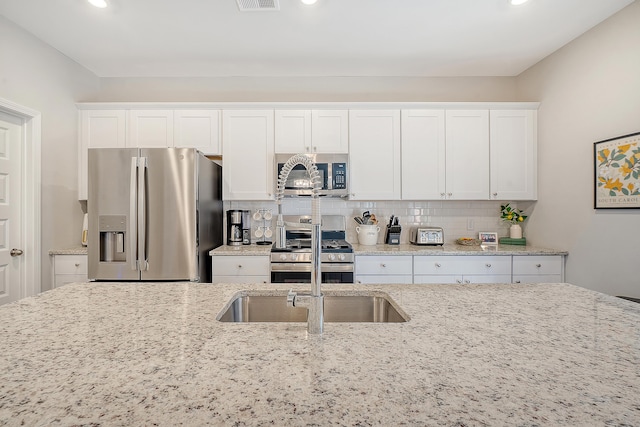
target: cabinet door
<point>330,131</point>
<point>198,129</point>
<point>98,129</point>
<point>513,154</point>
<point>247,152</point>
<point>374,153</point>
<point>423,155</point>
<point>292,131</point>
<point>150,129</point>
<point>467,140</point>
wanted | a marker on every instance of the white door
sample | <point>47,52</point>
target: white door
<point>11,259</point>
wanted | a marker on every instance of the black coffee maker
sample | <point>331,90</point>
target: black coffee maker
<point>238,227</point>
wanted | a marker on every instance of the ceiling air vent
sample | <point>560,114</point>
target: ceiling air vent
<point>257,5</point>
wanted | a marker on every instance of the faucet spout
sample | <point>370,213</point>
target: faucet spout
<point>314,303</point>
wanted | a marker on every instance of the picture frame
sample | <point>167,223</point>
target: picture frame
<point>616,164</point>
<point>488,237</point>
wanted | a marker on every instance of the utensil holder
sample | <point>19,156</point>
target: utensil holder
<point>368,234</point>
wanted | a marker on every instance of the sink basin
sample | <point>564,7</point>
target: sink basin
<point>347,307</point>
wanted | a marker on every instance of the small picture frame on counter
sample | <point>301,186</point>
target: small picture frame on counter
<point>488,237</point>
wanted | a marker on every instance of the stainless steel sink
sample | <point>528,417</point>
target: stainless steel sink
<point>346,307</point>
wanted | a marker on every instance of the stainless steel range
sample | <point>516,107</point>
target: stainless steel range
<point>292,264</point>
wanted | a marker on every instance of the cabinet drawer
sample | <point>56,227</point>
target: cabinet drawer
<point>240,266</point>
<point>538,264</point>
<point>70,264</point>
<point>385,279</point>
<point>383,265</point>
<point>447,265</point>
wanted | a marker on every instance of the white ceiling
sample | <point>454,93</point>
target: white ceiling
<point>199,38</point>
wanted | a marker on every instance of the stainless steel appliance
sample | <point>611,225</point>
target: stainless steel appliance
<point>234,227</point>
<point>333,169</point>
<point>292,264</point>
<point>426,235</point>
<point>154,214</point>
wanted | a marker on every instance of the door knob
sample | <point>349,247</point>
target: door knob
<point>16,252</point>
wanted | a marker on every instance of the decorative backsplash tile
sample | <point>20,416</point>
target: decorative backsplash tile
<point>457,218</point>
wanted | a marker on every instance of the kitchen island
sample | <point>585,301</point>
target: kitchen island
<point>154,354</point>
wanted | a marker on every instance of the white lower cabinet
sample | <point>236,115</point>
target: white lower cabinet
<point>241,269</point>
<point>380,269</point>
<point>69,269</point>
<point>461,269</point>
<point>538,269</point>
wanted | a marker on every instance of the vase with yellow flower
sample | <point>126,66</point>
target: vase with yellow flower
<point>514,217</point>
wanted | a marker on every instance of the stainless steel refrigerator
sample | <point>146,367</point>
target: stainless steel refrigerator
<point>154,214</point>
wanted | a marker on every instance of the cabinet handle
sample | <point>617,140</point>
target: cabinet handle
<point>458,281</point>
<point>488,265</point>
<point>517,281</point>
<point>442,194</point>
<point>438,265</point>
<point>538,265</point>
<point>495,194</point>
<point>383,265</point>
<point>449,194</point>
<point>315,148</point>
<point>77,264</point>
<point>467,281</point>
<point>239,265</point>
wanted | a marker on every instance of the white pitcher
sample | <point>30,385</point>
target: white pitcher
<point>368,234</point>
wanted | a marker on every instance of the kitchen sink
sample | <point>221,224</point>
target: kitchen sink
<point>366,307</point>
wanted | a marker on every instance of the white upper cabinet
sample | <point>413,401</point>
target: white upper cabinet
<point>311,131</point>
<point>513,154</point>
<point>150,128</point>
<point>467,154</point>
<point>98,129</point>
<point>374,154</point>
<point>198,129</point>
<point>247,152</point>
<point>423,155</point>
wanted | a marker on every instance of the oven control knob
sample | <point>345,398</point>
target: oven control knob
<point>332,257</point>
<point>294,257</point>
<point>283,257</point>
<point>342,257</point>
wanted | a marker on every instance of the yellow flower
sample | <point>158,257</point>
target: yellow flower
<point>624,148</point>
<point>613,185</point>
<point>625,170</point>
<point>520,219</point>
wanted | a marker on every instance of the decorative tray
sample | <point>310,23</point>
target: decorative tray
<point>467,241</point>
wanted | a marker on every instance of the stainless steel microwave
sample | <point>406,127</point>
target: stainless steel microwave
<point>333,169</point>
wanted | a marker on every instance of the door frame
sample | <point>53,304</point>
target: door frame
<point>31,179</point>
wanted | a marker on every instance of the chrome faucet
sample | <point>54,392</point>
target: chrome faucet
<point>314,303</point>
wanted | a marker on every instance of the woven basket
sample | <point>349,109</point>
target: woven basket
<point>469,242</point>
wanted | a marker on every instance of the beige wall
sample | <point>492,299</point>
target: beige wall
<point>589,91</point>
<point>321,89</point>
<point>37,76</point>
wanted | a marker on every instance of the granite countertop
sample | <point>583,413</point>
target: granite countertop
<point>405,249</point>
<point>76,250</point>
<point>154,354</point>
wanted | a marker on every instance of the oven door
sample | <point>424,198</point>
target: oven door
<point>290,272</point>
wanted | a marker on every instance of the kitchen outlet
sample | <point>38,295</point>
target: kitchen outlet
<point>470,224</point>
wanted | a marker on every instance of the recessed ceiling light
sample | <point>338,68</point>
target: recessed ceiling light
<point>309,2</point>
<point>517,2</point>
<point>99,3</point>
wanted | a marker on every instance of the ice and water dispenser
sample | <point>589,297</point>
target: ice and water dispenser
<point>112,230</point>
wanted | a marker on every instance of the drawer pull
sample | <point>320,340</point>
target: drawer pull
<point>438,265</point>
<point>239,265</point>
<point>383,265</point>
<point>538,265</point>
<point>488,265</point>
<point>77,264</point>
<point>517,281</point>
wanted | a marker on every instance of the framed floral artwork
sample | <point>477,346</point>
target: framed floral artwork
<point>617,172</point>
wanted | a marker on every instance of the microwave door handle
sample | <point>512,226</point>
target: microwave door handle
<point>133,214</point>
<point>142,214</point>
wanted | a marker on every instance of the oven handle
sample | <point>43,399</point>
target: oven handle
<point>325,267</point>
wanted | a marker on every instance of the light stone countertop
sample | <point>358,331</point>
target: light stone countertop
<point>405,249</point>
<point>471,355</point>
<point>76,250</point>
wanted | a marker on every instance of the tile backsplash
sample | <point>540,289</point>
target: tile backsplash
<point>457,218</point>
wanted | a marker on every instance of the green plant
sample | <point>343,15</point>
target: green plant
<point>511,215</point>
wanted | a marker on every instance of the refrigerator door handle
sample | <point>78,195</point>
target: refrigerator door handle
<point>133,214</point>
<point>142,214</point>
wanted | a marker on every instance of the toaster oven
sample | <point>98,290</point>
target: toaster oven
<point>426,235</point>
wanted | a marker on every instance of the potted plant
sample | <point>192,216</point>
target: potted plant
<point>514,217</point>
